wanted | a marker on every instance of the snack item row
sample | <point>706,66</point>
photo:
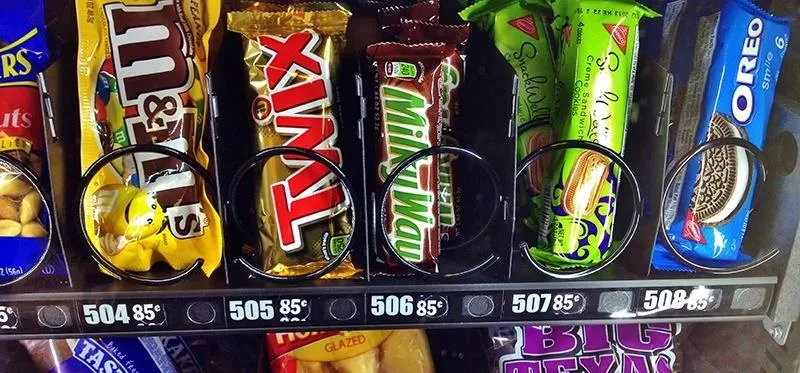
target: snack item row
<point>711,202</point>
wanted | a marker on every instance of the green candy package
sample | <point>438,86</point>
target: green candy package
<point>522,36</point>
<point>596,64</point>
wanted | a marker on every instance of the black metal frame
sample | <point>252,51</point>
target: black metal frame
<point>383,194</point>
<point>83,186</point>
<point>629,177</point>
<point>233,192</point>
<point>670,180</point>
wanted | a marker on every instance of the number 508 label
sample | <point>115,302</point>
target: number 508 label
<point>697,299</point>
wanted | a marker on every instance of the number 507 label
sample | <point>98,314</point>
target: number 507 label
<point>535,303</point>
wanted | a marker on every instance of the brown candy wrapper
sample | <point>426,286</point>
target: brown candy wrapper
<point>292,55</point>
<point>427,11</point>
<point>452,73</point>
<point>408,118</point>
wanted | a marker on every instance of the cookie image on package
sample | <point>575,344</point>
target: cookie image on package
<point>584,184</point>
<point>721,186</point>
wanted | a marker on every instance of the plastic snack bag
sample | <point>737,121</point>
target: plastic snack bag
<point>596,67</point>
<point>373,351</point>
<point>292,53</point>
<point>587,348</point>
<point>521,34</point>
<point>23,220</point>
<point>145,354</point>
<point>716,192</point>
<point>141,80</point>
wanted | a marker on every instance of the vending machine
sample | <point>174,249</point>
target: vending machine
<point>399,186</point>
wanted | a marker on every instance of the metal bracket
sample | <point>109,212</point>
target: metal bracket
<point>779,331</point>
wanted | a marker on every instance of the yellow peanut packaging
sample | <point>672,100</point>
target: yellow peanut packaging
<point>141,80</point>
<point>357,351</point>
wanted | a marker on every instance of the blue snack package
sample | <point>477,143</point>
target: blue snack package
<point>120,355</point>
<point>24,227</point>
<point>716,192</point>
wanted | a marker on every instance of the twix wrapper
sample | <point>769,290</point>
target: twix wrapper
<point>408,119</point>
<point>452,75</point>
<point>141,80</point>
<point>292,56</point>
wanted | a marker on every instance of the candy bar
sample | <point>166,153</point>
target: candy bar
<point>292,57</point>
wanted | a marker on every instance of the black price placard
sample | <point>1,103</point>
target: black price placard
<point>528,306</point>
<point>255,312</point>
<point>683,300</point>
<point>123,315</point>
<point>407,308</point>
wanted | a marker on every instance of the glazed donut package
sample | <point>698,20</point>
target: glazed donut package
<point>25,217</point>
<point>372,351</point>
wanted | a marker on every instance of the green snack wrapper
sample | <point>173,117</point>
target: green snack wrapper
<point>521,35</point>
<point>596,65</point>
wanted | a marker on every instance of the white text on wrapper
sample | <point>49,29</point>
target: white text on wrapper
<point>151,46</point>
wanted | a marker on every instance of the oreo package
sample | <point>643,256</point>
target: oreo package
<point>716,190</point>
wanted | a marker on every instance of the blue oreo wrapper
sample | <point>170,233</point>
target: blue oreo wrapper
<point>716,195</point>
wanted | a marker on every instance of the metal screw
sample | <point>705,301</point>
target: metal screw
<point>776,332</point>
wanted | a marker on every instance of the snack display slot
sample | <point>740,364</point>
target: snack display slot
<point>50,262</point>
<point>484,159</point>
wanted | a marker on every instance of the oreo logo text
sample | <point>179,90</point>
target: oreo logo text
<point>742,101</point>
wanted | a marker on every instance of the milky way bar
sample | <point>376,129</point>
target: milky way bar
<point>408,120</point>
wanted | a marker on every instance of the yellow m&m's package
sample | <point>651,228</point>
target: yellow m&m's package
<point>141,80</point>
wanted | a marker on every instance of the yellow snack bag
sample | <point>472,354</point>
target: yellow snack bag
<point>141,80</point>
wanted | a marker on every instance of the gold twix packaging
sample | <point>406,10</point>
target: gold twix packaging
<point>141,80</point>
<point>292,54</point>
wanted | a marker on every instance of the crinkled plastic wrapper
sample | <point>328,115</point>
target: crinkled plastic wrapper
<point>596,66</point>
<point>587,348</point>
<point>292,55</point>
<point>712,200</point>
<point>141,80</point>
<point>385,351</point>
<point>23,221</point>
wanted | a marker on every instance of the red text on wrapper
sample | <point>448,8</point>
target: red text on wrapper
<point>151,47</point>
<point>299,93</point>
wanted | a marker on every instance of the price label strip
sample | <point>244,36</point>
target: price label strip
<point>123,316</point>
<point>545,305</point>
<point>268,311</point>
<point>657,302</point>
<point>407,308</point>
